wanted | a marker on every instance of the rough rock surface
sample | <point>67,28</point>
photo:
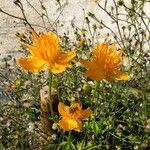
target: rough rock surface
<point>71,11</point>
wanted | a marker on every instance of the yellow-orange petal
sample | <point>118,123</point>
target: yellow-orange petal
<point>94,72</point>
<point>86,113</point>
<point>51,42</point>
<point>65,57</point>
<point>63,109</point>
<point>119,75</point>
<point>88,64</point>
<point>32,64</point>
<point>59,68</point>
<point>61,62</point>
<point>52,37</point>
<point>103,47</point>
<point>44,45</point>
<point>70,124</point>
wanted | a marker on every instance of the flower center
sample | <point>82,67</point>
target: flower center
<point>72,110</point>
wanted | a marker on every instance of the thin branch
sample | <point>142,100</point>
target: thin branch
<point>139,16</point>
<point>100,22</point>
<point>46,15</point>
<point>41,15</point>
<point>117,23</point>
<point>19,4</point>
<point>11,15</point>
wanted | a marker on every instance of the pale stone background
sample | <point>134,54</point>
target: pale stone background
<point>71,11</point>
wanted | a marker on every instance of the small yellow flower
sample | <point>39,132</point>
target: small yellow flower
<point>15,84</point>
<point>72,116</point>
<point>82,42</point>
<point>105,63</point>
<point>46,52</point>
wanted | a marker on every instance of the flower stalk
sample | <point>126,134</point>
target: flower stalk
<point>50,76</point>
<point>69,139</point>
<point>97,84</point>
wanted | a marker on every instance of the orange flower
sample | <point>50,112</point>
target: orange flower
<point>72,116</point>
<point>105,63</point>
<point>46,51</point>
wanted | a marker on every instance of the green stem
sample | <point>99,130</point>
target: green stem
<point>69,140</point>
<point>95,91</point>
<point>50,76</point>
<point>63,134</point>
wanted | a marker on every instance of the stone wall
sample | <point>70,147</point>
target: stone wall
<point>69,11</point>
